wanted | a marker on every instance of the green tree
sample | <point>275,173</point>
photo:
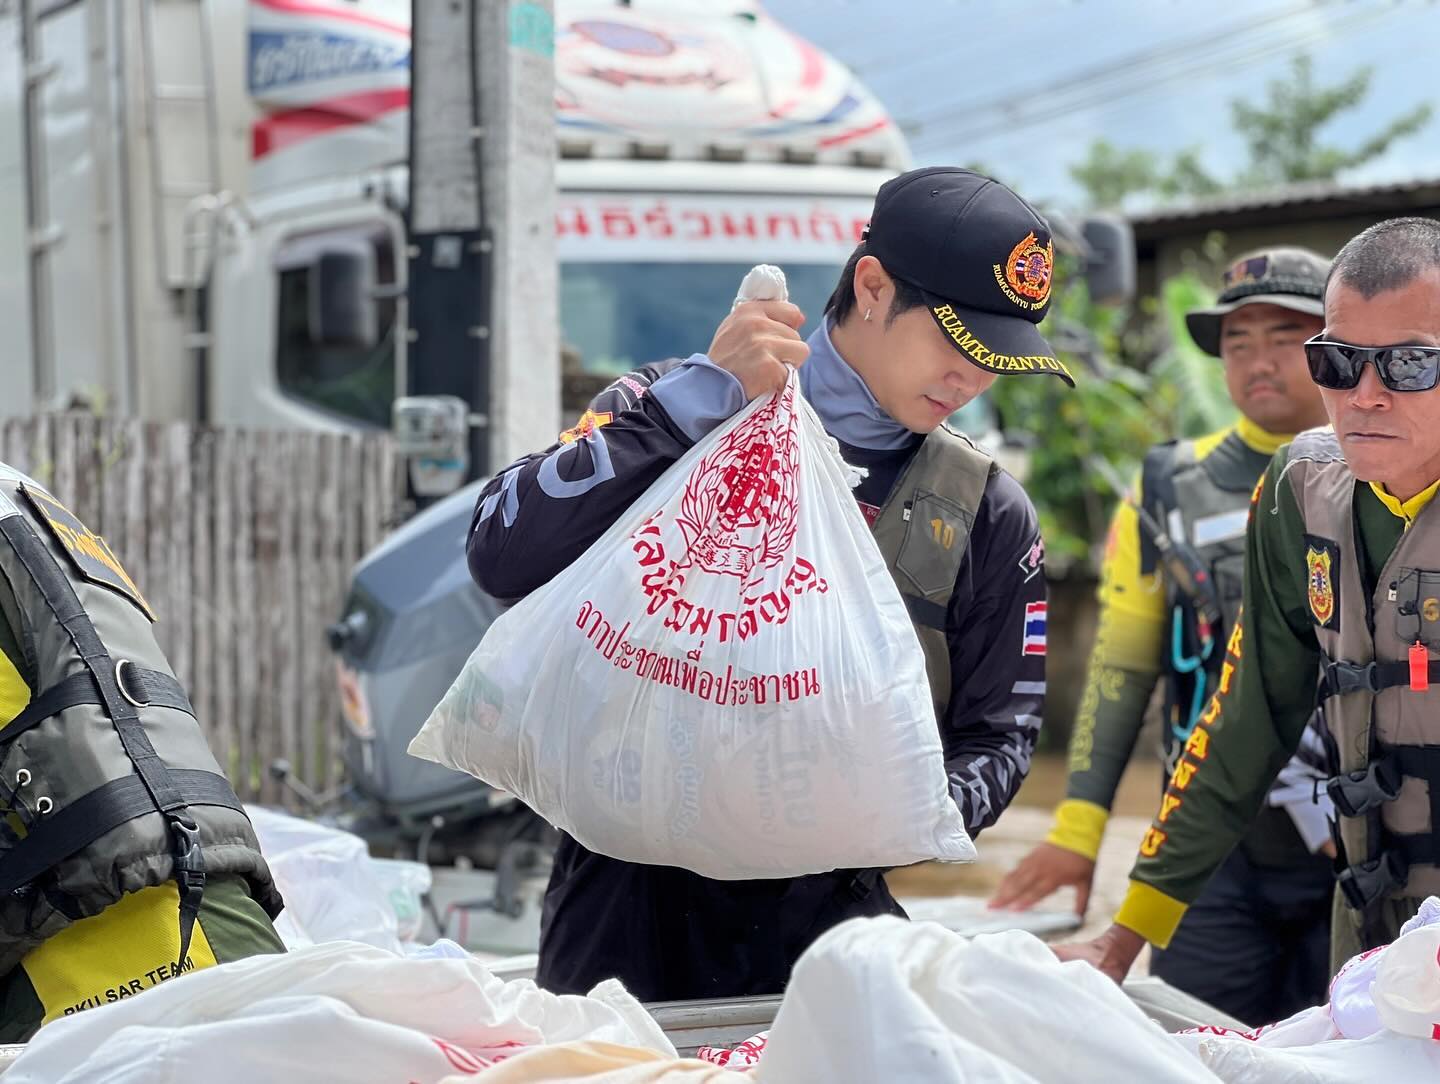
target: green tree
<point>1283,135</point>
<point>1108,174</point>
<point>1187,177</point>
<point>1086,436</point>
<point>1283,139</point>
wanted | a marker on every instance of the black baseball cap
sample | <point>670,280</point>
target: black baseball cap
<point>983,258</point>
<point>1285,275</point>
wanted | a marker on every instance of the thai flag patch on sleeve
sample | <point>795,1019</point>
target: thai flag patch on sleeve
<point>1034,629</point>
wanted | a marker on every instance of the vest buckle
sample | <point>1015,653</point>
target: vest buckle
<point>189,877</point>
<point>1364,883</point>
<point>1357,793</point>
<point>1349,677</point>
<point>189,858</point>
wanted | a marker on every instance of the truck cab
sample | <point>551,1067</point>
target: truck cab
<point>221,186</point>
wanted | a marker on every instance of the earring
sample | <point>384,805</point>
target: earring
<point>867,314</point>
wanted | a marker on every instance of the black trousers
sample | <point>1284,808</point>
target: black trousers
<point>1256,944</point>
<point>669,934</point>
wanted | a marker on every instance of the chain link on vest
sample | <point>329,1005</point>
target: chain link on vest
<point>923,531</point>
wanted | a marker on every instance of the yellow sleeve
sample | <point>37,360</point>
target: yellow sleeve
<point>1079,826</point>
<point>1150,913</point>
<point>1132,604</point>
<point>1123,668</point>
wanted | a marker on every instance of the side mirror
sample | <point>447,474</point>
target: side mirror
<point>343,311</point>
<point>433,432</point>
<point>1110,261</point>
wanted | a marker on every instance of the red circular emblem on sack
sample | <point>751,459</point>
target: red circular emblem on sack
<point>738,510</point>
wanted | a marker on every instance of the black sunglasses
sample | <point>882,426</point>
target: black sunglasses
<point>1401,368</point>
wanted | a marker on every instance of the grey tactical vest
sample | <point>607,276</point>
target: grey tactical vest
<point>111,785</point>
<point>1383,714</point>
<point>923,531</point>
<point>1206,503</point>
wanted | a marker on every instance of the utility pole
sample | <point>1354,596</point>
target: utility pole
<point>483,285</point>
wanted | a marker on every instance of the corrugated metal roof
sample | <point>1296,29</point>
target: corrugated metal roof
<point>1300,197</point>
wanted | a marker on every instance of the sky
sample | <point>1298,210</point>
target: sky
<point>1024,88</point>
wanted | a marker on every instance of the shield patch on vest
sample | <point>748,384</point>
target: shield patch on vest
<point>1322,572</point>
<point>90,555</point>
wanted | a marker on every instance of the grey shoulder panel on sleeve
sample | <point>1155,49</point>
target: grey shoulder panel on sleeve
<point>698,396</point>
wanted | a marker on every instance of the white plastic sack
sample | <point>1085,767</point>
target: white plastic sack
<point>884,999</point>
<point>333,1012</point>
<point>726,681</point>
<point>1381,1023</point>
<point>333,889</point>
<point>1352,997</point>
<point>1385,1057</point>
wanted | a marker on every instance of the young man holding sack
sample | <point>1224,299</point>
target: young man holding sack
<point>941,296</point>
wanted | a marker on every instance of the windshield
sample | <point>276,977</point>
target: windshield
<point>352,380</point>
<point>619,316</point>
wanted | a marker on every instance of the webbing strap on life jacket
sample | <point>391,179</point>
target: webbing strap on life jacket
<point>144,687</point>
<point>155,777</point>
<point>1339,678</point>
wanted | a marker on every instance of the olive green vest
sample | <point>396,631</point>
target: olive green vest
<point>923,531</point>
<point>1386,732</point>
<point>106,775</point>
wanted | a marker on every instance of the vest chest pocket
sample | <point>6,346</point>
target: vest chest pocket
<point>1229,572</point>
<point>936,536</point>
<point>1417,606</point>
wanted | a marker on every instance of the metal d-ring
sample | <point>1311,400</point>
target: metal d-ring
<point>120,681</point>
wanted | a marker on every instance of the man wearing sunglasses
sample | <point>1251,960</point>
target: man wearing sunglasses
<point>1256,943</point>
<point>1342,581</point>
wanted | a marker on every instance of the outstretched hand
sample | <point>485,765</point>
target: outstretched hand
<point>1112,953</point>
<point>1046,868</point>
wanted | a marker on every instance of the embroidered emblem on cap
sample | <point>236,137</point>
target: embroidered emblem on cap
<point>1029,271</point>
<point>1252,270</point>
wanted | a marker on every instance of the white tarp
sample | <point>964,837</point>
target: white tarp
<point>332,1012</point>
<point>884,999</point>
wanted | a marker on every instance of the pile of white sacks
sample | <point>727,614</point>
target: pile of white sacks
<point>874,999</point>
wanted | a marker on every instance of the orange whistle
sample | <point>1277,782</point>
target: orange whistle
<point>1419,667</point>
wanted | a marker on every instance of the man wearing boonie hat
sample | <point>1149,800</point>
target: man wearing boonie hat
<point>941,297</point>
<point>1255,943</point>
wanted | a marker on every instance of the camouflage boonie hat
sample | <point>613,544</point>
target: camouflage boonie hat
<point>1293,278</point>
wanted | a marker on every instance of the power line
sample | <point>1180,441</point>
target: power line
<point>1013,120</point>
<point>1131,65</point>
<point>984,117</point>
